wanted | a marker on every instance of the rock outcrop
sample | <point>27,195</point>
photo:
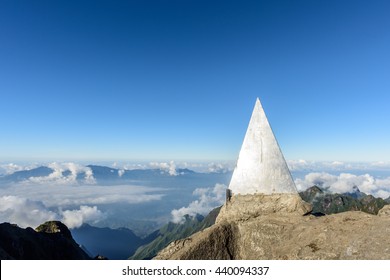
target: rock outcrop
<point>50,241</point>
<point>289,235</point>
<point>244,207</point>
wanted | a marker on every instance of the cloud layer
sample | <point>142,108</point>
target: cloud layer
<point>9,168</point>
<point>70,196</point>
<point>209,198</point>
<point>170,167</point>
<point>326,166</point>
<point>344,182</point>
<point>30,213</point>
<point>57,177</point>
<point>24,212</point>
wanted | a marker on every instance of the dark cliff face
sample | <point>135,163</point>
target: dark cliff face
<point>50,241</point>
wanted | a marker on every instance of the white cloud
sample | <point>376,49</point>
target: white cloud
<point>129,165</point>
<point>165,166</point>
<point>316,178</point>
<point>86,214</point>
<point>295,165</point>
<point>9,168</point>
<point>24,212</point>
<point>70,196</point>
<point>344,182</point>
<point>57,177</point>
<point>121,172</point>
<point>383,194</point>
<point>340,166</point>
<point>209,198</point>
<point>219,168</point>
<point>381,164</point>
<point>31,213</point>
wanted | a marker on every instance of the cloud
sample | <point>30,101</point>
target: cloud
<point>121,172</point>
<point>304,165</point>
<point>9,168</point>
<point>344,182</point>
<point>316,178</point>
<point>70,196</point>
<point>165,166</point>
<point>209,198</point>
<point>381,164</point>
<point>24,212</point>
<point>57,176</point>
<point>30,213</point>
<point>331,166</point>
<point>129,166</point>
<point>207,167</point>
<point>218,168</point>
<point>86,214</point>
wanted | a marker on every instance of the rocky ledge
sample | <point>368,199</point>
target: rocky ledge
<point>272,229</point>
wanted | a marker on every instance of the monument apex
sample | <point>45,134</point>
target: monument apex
<point>261,167</point>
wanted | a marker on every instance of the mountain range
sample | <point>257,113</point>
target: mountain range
<point>101,174</point>
<point>53,240</point>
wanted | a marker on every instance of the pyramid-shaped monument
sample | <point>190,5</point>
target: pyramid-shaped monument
<point>261,167</point>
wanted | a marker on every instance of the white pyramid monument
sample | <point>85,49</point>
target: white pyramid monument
<point>261,167</point>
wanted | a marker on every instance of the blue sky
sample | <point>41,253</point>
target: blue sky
<point>141,80</point>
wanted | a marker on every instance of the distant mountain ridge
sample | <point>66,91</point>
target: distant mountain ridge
<point>115,244</point>
<point>324,202</point>
<point>23,175</point>
<point>100,173</point>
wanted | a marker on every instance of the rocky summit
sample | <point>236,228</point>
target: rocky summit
<point>283,235</point>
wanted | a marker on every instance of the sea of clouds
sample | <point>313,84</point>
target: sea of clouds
<point>63,196</point>
<point>31,213</point>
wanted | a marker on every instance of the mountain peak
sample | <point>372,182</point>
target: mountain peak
<point>54,227</point>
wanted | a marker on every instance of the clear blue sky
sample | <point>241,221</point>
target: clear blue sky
<point>178,79</point>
